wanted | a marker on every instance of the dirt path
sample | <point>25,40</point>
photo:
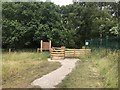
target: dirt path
<point>55,77</point>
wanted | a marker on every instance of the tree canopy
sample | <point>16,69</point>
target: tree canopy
<point>26,23</point>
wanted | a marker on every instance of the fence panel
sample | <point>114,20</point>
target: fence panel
<point>76,53</point>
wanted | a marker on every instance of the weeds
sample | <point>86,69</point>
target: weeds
<point>106,61</point>
<point>21,68</point>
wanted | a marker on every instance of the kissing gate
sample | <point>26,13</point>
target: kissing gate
<point>57,53</point>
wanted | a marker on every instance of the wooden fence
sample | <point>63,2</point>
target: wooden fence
<point>75,53</point>
<point>61,53</point>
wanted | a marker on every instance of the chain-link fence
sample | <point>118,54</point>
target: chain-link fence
<point>108,42</point>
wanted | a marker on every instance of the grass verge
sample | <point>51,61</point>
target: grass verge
<point>99,70</point>
<point>20,69</point>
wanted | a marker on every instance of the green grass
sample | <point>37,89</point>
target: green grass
<point>99,70</point>
<point>107,64</point>
<point>0,69</point>
<point>21,68</point>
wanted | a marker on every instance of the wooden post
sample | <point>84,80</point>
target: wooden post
<point>74,52</point>
<point>9,50</point>
<point>41,46</point>
<point>38,50</point>
<point>83,47</point>
<point>49,45</point>
<point>63,48</point>
<point>51,50</point>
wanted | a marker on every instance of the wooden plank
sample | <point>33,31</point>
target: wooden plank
<point>78,49</point>
<point>57,55</point>
<point>57,52</point>
<point>69,51</point>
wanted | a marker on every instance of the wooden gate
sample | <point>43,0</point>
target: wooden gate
<point>57,53</point>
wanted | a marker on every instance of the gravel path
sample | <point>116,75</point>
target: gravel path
<point>53,78</point>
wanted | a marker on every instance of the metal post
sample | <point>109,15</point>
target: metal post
<point>106,44</point>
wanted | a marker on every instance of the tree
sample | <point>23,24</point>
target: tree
<point>26,23</point>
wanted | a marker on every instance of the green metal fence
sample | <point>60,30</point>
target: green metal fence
<point>108,42</point>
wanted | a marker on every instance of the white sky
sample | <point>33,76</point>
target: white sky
<point>61,2</point>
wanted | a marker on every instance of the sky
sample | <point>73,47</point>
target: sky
<point>61,2</point>
<point>67,2</point>
<point>64,2</point>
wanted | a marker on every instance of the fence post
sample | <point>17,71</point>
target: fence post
<point>49,45</point>
<point>74,52</point>
<point>38,50</point>
<point>51,50</point>
<point>63,48</point>
<point>41,45</point>
<point>106,45</point>
<point>9,50</point>
<point>83,47</point>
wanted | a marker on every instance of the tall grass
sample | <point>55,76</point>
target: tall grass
<point>0,69</point>
<point>106,61</point>
<point>21,68</point>
<point>97,70</point>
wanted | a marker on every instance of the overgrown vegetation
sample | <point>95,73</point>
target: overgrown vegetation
<point>99,70</point>
<point>21,68</point>
<point>107,63</point>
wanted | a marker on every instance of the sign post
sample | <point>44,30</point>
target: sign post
<point>86,43</point>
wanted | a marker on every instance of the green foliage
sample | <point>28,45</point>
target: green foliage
<point>115,30</point>
<point>26,23</point>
